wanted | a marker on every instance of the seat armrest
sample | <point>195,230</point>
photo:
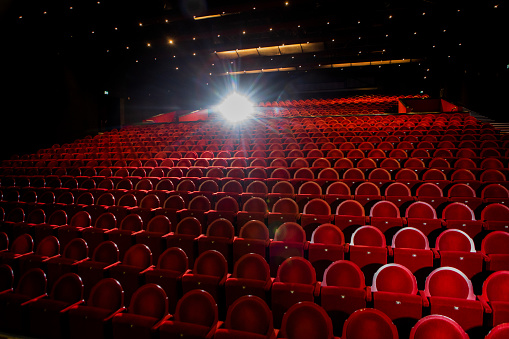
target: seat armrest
<point>485,304</point>
<point>425,301</point>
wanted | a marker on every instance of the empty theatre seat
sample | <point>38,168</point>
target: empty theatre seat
<point>14,303</point>
<point>48,316</point>
<point>295,282</point>
<point>306,320</point>
<point>220,236</point>
<point>456,249</point>
<point>495,297</point>
<point>168,272</point>
<point>494,247</point>
<point>147,310</point>
<point>248,317</point>
<point>343,291</point>
<point>315,213</point>
<point>93,319</point>
<point>125,235</point>
<point>186,234</point>
<point>496,217</point>
<point>196,316</point>
<point>495,193</point>
<point>155,235</point>
<point>327,245</point>
<point>289,241</point>
<point>436,326</point>
<point>350,215</point>
<point>368,250</point>
<point>423,216</point>
<point>395,293</point>
<point>253,238</point>
<point>411,249</point>
<point>369,323</point>
<point>385,216</point>
<point>450,293</point>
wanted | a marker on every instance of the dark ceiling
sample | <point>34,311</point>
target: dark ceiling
<point>59,57</point>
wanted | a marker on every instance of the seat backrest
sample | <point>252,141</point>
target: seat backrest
<point>159,224</point>
<point>227,204</point>
<point>496,287</point>
<point>132,222</point>
<point>68,288</point>
<point>353,173</point>
<point>369,323</point>
<point>495,212</point>
<point>317,206</point>
<point>433,174</point>
<point>149,300</point>
<point>495,191</point>
<point>499,332</point>
<point>385,209</point>
<point>190,226</point>
<point>310,187</point>
<point>106,252</point>
<point>6,277</point>
<point>105,199</point>
<point>344,273</point>
<point>457,211</point>
<point>398,189</point>
<point>306,320</point>
<point>368,236</point>
<point>394,278</point>
<point>255,204</point>
<point>283,187</point>
<point>232,186</point>
<point>251,266</point>
<point>437,326</point>
<point>81,219</point>
<point>138,255</point>
<point>461,190</point>
<point>285,205</point>
<point>249,314</point>
<point>328,234</point>
<point>76,249</point>
<point>174,259</point>
<point>449,282</point>
<point>339,188</point>
<point>221,228</point>
<point>495,243</point>
<point>199,203</point>
<point>296,270</point>
<point>410,237</point>
<point>128,200</point>
<point>290,232</point>
<point>254,229</point>
<point>455,240</point>
<point>22,244</point>
<point>32,283</point>
<point>350,207</point>
<point>211,263</point>
<point>420,210</point>
<point>197,307</point>
<point>175,202</point>
<point>150,201</point>
<point>186,185</point>
<point>49,246</point>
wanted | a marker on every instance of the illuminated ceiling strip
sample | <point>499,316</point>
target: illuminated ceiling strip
<point>272,50</point>
<point>342,65</point>
<point>212,16</point>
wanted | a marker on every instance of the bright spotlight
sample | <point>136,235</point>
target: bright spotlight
<point>236,107</point>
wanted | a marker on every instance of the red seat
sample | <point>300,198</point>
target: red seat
<point>367,193</point>
<point>97,234</point>
<point>436,326</point>
<point>495,193</point>
<point>14,304</point>
<point>349,216</point>
<point>251,276</point>
<point>395,293</point>
<point>289,241</point>
<point>327,245</point>
<point>306,320</point>
<point>494,247</point>
<point>253,238</point>
<point>125,235</point>
<point>220,235</point>
<point>459,216</point>
<point>248,317</point>
<point>436,177</point>
<point>227,207</point>
<point>456,249</point>
<point>130,273</point>
<point>171,208</point>
<point>198,207</point>
<point>295,282</point>
<point>496,217</point>
<point>495,297</point>
<point>155,235</point>
<point>170,268</point>
<point>499,332</point>
<point>93,319</point>
<point>384,215</point>
<point>185,237</point>
<point>369,323</point>
<point>147,310</point>
<point>399,194</point>
<point>196,316</point>
<point>47,248</point>
<point>451,294</point>
<point>368,250</point>
<point>465,194</point>
<point>253,209</point>
<point>423,216</point>
<point>48,316</point>
<point>316,212</point>
<point>75,252</point>
<point>343,291</point>
<point>411,249</point>
<point>336,193</point>
<point>209,273</point>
